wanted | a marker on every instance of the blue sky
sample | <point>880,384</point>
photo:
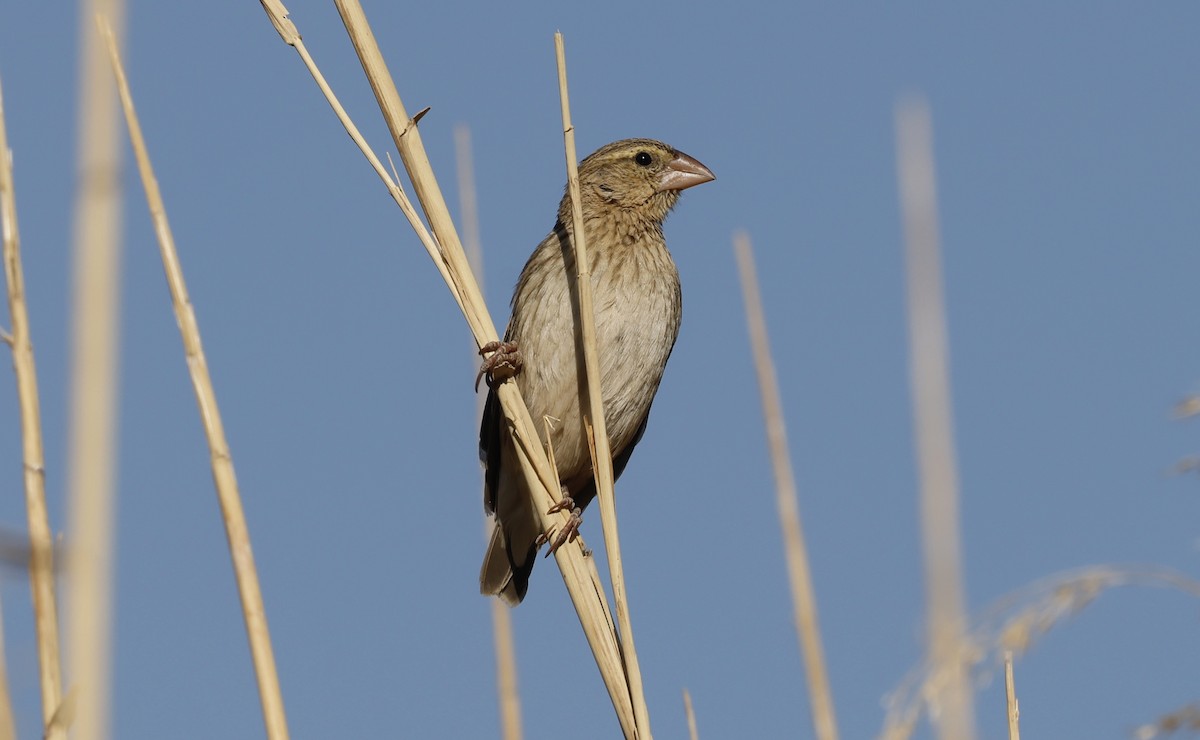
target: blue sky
<point>1067,164</point>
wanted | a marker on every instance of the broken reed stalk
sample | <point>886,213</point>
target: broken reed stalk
<point>92,458</point>
<point>932,414</point>
<point>594,415</point>
<point>41,542</point>
<point>224,479</point>
<point>804,600</point>
<point>507,695</point>
<point>579,572</point>
<point>1010,694</point>
<point>691,716</point>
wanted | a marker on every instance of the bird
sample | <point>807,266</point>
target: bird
<point>627,188</point>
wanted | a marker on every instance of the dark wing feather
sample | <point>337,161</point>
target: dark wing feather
<point>489,449</point>
<point>622,458</point>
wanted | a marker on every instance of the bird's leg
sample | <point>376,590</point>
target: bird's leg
<point>570,532</point>
<point>503,363</point>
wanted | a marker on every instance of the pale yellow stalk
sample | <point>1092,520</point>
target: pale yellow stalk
<point>804,600</point>
<point>1010,693</point>
<point>41,561</point>
<point>91,468</point>
<point>691,716</point>
<point>930,376</point>
<point>594,415</point>
<point>8,727</point>
<point>507,695</point>
<point>253,610</point>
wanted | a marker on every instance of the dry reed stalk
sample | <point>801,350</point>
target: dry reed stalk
<point>468,203</point>
<point>579,572</point>
<point>804,600</point>
<point>41,542</point>
<point>8,726</point>
<point>1012,624</point>
<point>1010,695</point>
<point>593,417</point>
<point>221,460</point>
<point>691,716</point>
<point>507,694</point>
<point>91,468</point>
<point>930,377</point>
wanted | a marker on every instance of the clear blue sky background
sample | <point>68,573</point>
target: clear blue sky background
<point>1069,175</point>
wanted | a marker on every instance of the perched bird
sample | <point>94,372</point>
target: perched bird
<point>627,189</point>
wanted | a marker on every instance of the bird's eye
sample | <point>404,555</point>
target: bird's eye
<point>643,159</point>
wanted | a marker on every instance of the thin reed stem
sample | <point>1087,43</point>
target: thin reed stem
<point>41,543</point>
<point>691,716</point>
<point>594,415</point>
<point>507,694</point>
<point>932,412</point>
<point>8,725</point>
<point>221,460</point>
<point>804,600</point>
<point>1010,694</point>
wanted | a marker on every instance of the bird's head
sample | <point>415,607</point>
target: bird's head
<point>640,177</point>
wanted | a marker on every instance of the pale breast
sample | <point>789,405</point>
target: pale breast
<point>637,304</point>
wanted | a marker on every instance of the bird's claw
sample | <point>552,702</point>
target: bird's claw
<point>570,532</point>
<point>502,360</point>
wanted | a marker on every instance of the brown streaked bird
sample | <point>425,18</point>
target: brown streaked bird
<point>627,190</point>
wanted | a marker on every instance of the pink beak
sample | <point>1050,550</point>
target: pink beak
<point>683,172</point>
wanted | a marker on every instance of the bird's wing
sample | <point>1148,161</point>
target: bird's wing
<point>622,457</point>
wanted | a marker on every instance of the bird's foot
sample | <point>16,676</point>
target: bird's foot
<point>502,361</point>
<point>570,532</point>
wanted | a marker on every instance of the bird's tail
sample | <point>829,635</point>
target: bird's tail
<point>509,559</point>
